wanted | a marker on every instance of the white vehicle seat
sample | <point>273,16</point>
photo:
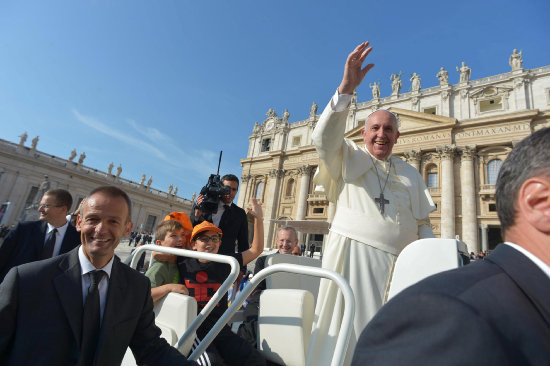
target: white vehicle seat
<point>290,280</point>
<point>284,325</point>
<point>173,315</point>
<point>423,258</point>
<point>286,311</point>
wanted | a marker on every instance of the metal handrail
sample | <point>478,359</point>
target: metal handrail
<point>235,268</point>
<point>347,319</point>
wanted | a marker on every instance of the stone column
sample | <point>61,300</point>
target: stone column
<point>484,237</point>
<point>468,193</point>
<point>413,158</point>
<point>243,190</point>
<point>447,191</point>
<point>271,202</point>
<point>304,172</point>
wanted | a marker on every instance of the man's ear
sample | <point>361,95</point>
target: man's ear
<point>78,222</point>
<point>534,202</point>
<point>128,229</point>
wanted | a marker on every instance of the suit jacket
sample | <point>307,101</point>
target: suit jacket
<point>41,315</point>
<point>25,241</point>
<point>234,225</point>
<point>491,312</point>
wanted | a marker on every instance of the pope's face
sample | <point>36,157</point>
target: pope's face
<point>380,134</point>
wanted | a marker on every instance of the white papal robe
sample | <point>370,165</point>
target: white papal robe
<point>362,244</point>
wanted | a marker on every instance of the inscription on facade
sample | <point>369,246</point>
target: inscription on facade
<point>424,138</point>
<point>493,131</point>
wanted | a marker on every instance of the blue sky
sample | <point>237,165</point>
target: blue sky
<point>161,86</point>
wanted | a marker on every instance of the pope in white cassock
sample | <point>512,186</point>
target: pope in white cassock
<point>382,204</point>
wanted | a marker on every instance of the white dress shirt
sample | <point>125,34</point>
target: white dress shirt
<point>86,267</point>
<point>58,237</point>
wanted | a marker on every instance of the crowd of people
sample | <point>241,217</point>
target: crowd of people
<point>66,299</point>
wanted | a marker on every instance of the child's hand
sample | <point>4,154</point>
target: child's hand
<point>179,288</point>
<point>255,209</point>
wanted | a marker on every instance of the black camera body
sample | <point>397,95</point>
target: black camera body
<point>212,193</point>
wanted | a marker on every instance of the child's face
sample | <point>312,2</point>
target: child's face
<point>173,239</point>
<point>207,242</point>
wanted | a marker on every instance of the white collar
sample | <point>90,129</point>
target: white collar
<point>87,266</point>
<point>543,266</point>
<point>61,230</point>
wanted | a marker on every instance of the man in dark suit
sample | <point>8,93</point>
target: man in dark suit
<point>52,235</point>
<point>491,312</point>
<point>44,321</point>
<point>230,218</point>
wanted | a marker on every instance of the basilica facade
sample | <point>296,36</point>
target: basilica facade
<point>456,135</point>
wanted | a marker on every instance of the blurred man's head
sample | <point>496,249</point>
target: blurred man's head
<point>523,194</point>
<point>54,206</point>
<point>287,239</point>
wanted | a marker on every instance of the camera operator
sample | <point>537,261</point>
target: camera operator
<point>230,218</point>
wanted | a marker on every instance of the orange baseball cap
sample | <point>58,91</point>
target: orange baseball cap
<point>182,218</point>
<point>205,226</point>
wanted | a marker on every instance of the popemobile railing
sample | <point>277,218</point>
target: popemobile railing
<point>349,299</point>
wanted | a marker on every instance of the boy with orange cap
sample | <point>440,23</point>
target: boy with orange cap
<point>163,273</point>
<point>203,278</point>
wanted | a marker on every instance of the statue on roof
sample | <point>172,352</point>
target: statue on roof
<point>23,138</point>
<point>516,60</point>
<point>443,77</point>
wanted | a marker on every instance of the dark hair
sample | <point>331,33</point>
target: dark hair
<point>62,197</point>
<point>164,227</point>
<point>529,158</point>
<point>113,191</point>
<point>231,178</point>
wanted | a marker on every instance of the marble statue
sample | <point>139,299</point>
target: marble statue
<point>73,155</point>
<point>271,113</point>
<point>313,110</point>
<point>142,179</point>
<point>375,90</point>
<point>170,188</point>
<point>465,72</point>
<point>149,182</point>
<point>286,116</point>
<point>443,77</point>
<point>110,168</point>
<point>516,60</point>
<point>176,191</point>
<point>118,170</point>
<point>396,83</point>
<point>23,138</point>
<point>81,158</point>
<point>34,142</point>
<point>415,80</point>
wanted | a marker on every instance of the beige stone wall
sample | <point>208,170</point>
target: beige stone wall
<point>22,168</point>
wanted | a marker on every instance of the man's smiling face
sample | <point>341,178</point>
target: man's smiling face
<point>380,134</point>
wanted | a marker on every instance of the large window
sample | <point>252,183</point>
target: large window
<point>492,170</point>
<point>266,145</point>
<point>432,176</point>
<point>289,188</point>
<point>259,191</point>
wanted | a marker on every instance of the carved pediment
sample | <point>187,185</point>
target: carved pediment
<point>490,91</point>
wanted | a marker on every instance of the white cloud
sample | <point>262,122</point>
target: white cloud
<point>202,162</point>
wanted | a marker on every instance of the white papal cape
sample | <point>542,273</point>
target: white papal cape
<point>362,244</point>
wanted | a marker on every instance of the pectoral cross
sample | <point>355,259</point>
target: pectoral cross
<point>381,202</point>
